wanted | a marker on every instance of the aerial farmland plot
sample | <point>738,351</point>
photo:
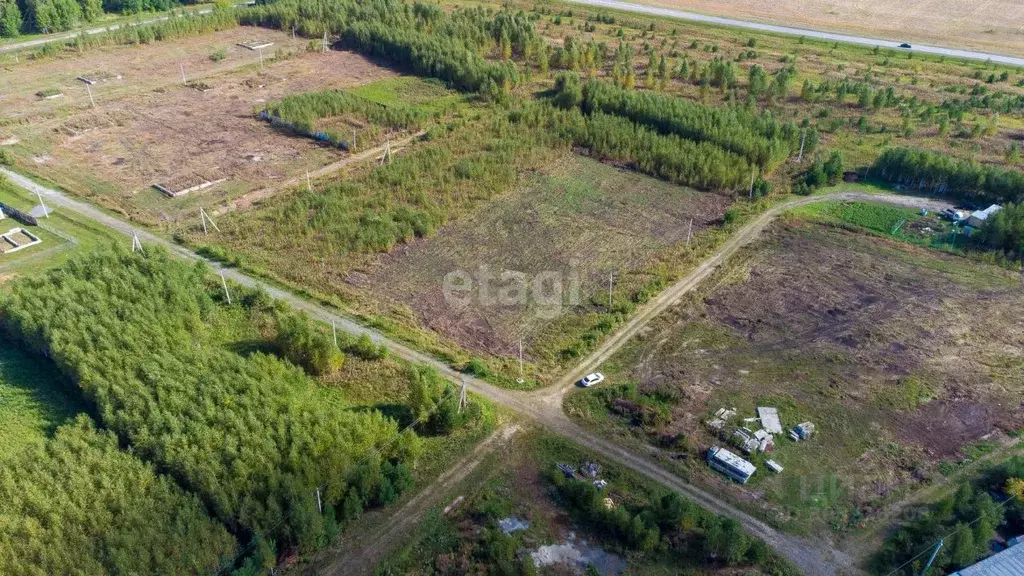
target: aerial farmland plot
<point>907,360</point>
<point>145,117</point>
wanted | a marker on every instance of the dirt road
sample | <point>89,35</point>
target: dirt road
<point>813,557</point>
<point>555,394</point>
<point>361,555</point>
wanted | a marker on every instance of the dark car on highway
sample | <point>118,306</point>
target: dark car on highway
<point>904,45</point>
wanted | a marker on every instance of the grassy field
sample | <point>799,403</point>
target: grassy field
<point>576,220</point>
<point>62,234</point>
<point>33,400</point>
<point>877,341</point>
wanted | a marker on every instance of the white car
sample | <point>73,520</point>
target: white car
<point>592,379</point>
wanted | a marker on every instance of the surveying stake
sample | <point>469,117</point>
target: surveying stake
<point>462,395</point>
<point>521,379</point>
<point>46,211</point>
<point>224,283</point>
<point>386,157</point>
<point>136,243</point>
<point>204,217</point>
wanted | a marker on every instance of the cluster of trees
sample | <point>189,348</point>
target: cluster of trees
<point>825,172</point>
<point>417,39</point>
<point>77,504</point>
<point>176,26</point>
<point>970,515</point>
<point>433,55</point>
<point>1005,231</point>
<point>249,435</point>
<point>302,111</point>
<point>759,138</point>
<point>943,174</point>
<point>31,16</point>
<point>669,524</point>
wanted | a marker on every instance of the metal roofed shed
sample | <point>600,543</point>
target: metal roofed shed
<point>730,464</point>
<point>770,419</point>
<point>1009,562</point>
<point>977,218</point>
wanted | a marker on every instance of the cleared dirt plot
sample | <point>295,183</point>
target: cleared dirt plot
<point>996,25</point>
<point>567,226</point>
<point>906,359</point>
<point>148,128</point>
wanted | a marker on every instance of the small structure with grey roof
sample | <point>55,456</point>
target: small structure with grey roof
<point>770,419</point>
<point>977,218</point>
<point>1009,562</point>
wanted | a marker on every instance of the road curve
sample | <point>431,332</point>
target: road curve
<point>813,557</point>
<point>862,40</point>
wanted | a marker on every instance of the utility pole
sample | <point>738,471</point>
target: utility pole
<point>182,68</point>
<point>309,184</point>
<point>935,553</point>
<point>89,89</point>
<point>334,331</point>
<point>462,395</point>
<point>800,158</point>
<point>136,243</point>
<point>224,283</point>
<point>319,504</point>
<point>689,232</point>
<point>324,45</point>
<point>752,174</point>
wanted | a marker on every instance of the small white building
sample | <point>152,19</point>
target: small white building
<point>978,218</point>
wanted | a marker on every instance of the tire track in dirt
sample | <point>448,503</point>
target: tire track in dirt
<point>361,556</point>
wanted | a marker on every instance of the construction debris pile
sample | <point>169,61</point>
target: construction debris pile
<point>745,437</point>
<point>586,471</point>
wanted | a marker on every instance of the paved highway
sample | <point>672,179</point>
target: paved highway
<point>684,15</point>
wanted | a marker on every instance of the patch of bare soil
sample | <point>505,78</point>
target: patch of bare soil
<point>893,318</point>
<point>149,128</point>
<point>570,225</point>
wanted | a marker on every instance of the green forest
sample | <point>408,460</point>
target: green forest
<point>47,16</point>
<point>248,438</point>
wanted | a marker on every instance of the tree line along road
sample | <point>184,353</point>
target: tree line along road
<point>814,557</point>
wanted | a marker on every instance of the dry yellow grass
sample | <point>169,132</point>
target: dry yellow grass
<point>990,25</point>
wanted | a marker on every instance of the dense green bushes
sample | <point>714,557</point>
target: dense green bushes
<point>34,16</point>
<point>305,109</point>
<point>971,514</point>
<point>435,56</point>
<point>759,138</point>
<point>670,524</point>
<point>80,505</point>
<point>942,174</point>
<point>1005,230</point>
<point>250,435</point>
<point>612,138</point>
